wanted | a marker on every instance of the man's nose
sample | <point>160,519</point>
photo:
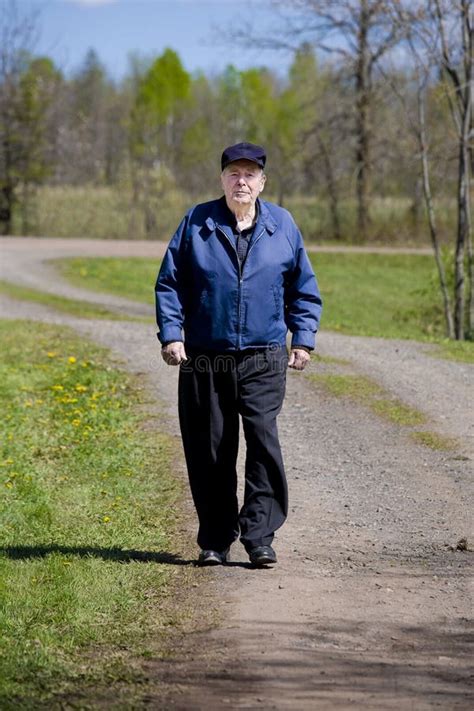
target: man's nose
<point>241,180</point>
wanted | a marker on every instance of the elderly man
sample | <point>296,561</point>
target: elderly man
<point>234,280</point>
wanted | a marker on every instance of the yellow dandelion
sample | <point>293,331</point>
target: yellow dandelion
<point>106,519</point>
<point>81,388</point>
<point>72,359</point>
<point>51,354</point>
<point>57,387</point>
<point>76,423</point>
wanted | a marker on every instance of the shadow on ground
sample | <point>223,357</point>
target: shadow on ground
<point>118,554</point>
<point>327,667</point>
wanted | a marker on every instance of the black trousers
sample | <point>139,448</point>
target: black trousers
<point>214,389</point>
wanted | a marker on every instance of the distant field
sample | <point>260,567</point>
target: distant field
<point>106,212</point>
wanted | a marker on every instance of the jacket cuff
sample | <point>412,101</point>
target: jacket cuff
<point>303,338</point>
<point>170,334</point>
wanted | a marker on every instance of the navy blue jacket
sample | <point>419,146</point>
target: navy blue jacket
<point>204,296</point>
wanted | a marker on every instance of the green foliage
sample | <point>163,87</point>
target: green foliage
<point>86,503</point>
<point>164,88</point>
<point>163,96</point>
<point>37,87</point>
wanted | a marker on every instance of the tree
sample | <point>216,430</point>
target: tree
<point>440,35</point>
<point>17,36</point>
<point>358,33</point>
<point>37,91</point>
<point>157,126</point>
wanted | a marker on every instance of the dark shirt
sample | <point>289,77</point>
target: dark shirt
<point>242,237</point>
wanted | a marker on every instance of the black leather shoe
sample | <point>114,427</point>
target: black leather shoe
<point>208,557</point>
<point>262,555</point>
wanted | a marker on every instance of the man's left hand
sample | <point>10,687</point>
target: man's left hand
<point>298,358</point>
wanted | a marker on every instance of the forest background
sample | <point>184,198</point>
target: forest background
<point>369,134</point>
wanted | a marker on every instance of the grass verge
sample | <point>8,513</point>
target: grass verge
<point>370,394</point>
<point>87,503</point>
<point>435,441</point>
<point>131,277</point>
<point>80,309</point>
<point>460,351</point>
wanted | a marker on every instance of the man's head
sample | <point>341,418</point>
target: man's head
<point>242,175</point>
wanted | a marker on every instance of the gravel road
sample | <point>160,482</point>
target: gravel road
<point>370,606</point>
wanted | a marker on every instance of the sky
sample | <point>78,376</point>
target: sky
<point>115,28</point>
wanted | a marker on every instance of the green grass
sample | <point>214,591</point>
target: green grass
<point>87,501</point>
<point>132,277</point>
<point>80,309</point>
<point>435,441</point>
<point>370,394</point>
<point>330,360</point>
<point>460,351</point>
<point>390,296</point>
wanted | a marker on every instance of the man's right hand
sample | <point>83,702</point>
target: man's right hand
<point>174,353</point>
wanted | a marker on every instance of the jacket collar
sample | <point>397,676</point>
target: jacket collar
<point>221,216</point>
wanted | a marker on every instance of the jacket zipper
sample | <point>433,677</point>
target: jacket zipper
<point>239,305</point>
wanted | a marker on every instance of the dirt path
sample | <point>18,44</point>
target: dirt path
<point>369,607</point>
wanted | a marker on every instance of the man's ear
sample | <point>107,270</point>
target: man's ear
<point>263,179</point>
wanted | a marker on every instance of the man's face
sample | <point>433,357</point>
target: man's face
<point>242,182</point>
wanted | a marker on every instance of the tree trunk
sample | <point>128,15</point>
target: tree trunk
<point>431,217</point>
<point>363,90</point>
<point>462,232</point>
<point>463,196</point>
<point>468,133</point>
<point>331,189</point>
<point>6,209</point>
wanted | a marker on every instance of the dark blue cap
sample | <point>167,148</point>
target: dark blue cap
<point>244,151</point>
